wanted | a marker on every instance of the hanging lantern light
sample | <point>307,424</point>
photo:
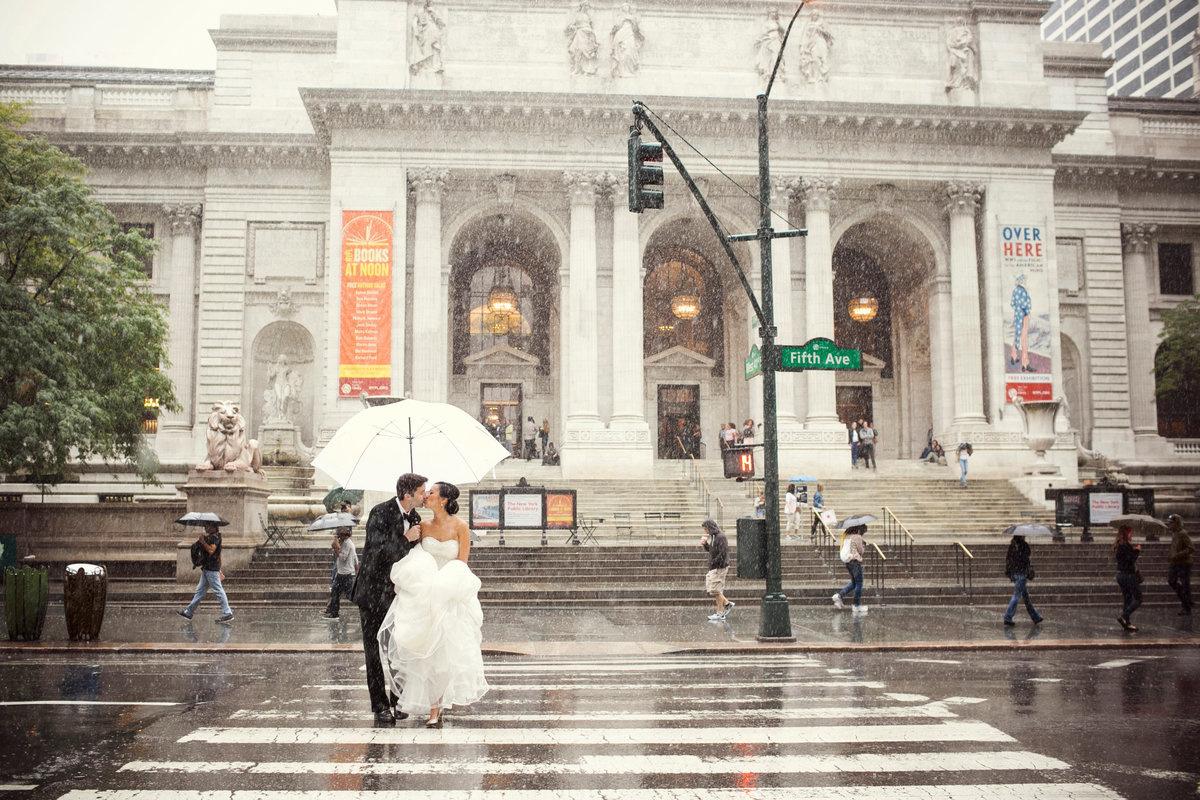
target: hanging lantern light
<point>501,306</point>
<point>863,309</point>
<point>685,306</point>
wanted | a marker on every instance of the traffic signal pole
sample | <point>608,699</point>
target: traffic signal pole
<point>775,623</point>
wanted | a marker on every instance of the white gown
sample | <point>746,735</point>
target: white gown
<point>431,639</point>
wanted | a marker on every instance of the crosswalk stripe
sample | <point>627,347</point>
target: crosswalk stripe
<point>929,710</point>
<point>649,667</point>
<point>950,731</point>
<point>596,686</point>
<point>1017,791</point>
<point>634,764</point>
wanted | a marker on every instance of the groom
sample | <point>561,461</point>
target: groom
<point>388,530</point>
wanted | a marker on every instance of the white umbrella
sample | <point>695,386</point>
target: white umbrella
<point>437,440</point>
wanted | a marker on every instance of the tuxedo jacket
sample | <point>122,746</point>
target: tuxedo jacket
<point>385,546</point>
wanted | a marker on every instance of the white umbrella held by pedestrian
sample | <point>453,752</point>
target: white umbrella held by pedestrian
<point>437,440</point>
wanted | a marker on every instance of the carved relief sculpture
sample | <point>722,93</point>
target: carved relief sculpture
<point>816,46</point>
<point>281,398</point>
<point>228,447</point>
<point>582,46</point>
<point>425,35</point>
<point>766,48</point>
<point>964,67</point>
<point>625,42</point>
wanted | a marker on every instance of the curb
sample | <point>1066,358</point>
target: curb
<point>613,649</point>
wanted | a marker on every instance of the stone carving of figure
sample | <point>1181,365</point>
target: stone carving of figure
<point>626,42</point>
<point>425,34</point>
<point>815,48</point>
<point>582,46</point>
<point>766,48</point>
<point>960,44</point>
<point>281,399</point>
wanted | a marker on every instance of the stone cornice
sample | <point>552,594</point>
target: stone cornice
<point>469,110</point>
<point>193,150</point>
<point>1110,168</point>
<point>1148,106</point>
<point>287,41</point>
<point>90,76</point>
<point>1074,60</point>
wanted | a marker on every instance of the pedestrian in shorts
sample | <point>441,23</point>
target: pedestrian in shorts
<point>345,568</point>
<point>717,545</point>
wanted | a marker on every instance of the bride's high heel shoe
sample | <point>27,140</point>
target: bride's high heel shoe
<point>434,721</point>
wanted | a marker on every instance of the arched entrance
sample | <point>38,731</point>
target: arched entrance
<point>882,268</point>
<point>504,321</point>
<point>1076,390</point>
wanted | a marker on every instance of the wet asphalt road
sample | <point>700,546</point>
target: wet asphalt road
<point>1072,724</point>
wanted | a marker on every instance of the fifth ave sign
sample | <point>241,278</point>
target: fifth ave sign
<point>819,353</point>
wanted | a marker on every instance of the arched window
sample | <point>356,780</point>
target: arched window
<point>683,305</point>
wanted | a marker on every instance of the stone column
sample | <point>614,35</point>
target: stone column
<point>175,442</point>
<point>580,360</point>
<point>430,323</point>
<point>964,295</point>
<point>781,276</point>
<point>1139,342</point>
<point>941,358</point>
<point>818,292</point>
<point>629,375</point>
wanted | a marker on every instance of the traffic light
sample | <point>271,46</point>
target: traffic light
<point>739,462</point>
<point>645,180</point>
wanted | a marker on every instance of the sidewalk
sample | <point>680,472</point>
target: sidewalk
<point>618,630</point>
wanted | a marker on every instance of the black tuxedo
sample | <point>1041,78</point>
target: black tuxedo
<point>373,589</point>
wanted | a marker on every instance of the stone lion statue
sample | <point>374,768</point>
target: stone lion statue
<point>228,447</point>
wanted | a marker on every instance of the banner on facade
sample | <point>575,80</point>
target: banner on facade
<point>1025,283</point>
<point>365,360</point>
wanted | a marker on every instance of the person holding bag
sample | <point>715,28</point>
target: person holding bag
<point>853,548</point>
<point>1128,577</point>
<point>1018,570</point>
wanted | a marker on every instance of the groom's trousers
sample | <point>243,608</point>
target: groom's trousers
<point>381,696</point>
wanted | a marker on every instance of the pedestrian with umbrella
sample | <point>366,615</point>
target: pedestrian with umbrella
<point>1019,570</point>
<point>345,565</point>
<point>1128,578</point>
<point>1179,563</point>
<point>206,554</point>
<point>854,547</point>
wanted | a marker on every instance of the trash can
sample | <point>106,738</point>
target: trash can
<point>85,590</point>
<point>751,547</point>
<point>26,594</point>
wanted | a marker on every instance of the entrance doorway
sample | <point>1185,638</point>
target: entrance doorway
<point>500,404</point>
<point>678,421</point>
<point>854,403</point>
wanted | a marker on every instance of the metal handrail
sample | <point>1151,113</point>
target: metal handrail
<point>824,537</point>
<point>703,490</point>
<point>897,538</point>
<point>879,571</point>
<point>964,570</point>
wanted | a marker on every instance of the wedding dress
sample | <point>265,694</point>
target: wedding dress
<point>431,639</point>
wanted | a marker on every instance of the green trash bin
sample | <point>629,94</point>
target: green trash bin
<point>751,547</point>
<point>26,594</point>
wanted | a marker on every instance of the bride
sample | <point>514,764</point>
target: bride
<point>431,638</point>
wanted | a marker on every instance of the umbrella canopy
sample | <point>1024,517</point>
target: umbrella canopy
<point>802,479</point>
<point>338,495</point>
<point>327,522</point>
<point>201,518</point>
<point>1139,522</point>
<point>437,440</point>
<point>856,520</point>
<point>1028,529</point>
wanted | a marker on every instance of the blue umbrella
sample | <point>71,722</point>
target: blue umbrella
<point>802,479</point>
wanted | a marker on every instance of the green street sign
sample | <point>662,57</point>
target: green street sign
<point>819,353</point>
<point>754,362</point>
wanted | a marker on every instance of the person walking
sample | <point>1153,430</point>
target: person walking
<point>1128,577</point>
<point>965,451</point>
<point>529,435</point>
<point>853,559</point>
<point>791,509</point>
<point>1018,570</point>
<point>345,568</point>
<point>544,433</point>
<point>1179,563</point>
<point>866,446</point>
<point>854,444</point>
<point>818,505</point>
<point>206,554</point>
<point>717,545</point>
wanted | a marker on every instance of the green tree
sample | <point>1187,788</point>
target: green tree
<point>1177,368</point>
<point>83,337</point>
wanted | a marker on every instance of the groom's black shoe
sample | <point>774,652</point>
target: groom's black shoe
<point>384,718</point>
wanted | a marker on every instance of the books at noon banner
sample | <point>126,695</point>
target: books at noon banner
<point>365,352</point>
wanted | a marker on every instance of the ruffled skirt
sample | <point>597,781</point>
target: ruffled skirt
<point>431,639</point>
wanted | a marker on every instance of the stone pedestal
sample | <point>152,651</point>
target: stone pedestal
<point>241,498</point>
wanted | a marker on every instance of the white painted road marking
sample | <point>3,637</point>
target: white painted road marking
<point>17,787</point>
<point>930,711</point>
<point>1123,662</point>
<point>929,660</point>
<point>633,764</point>
<point>1016,791</point>
<point>548,687</point>
<point>82,703</point>
<point>829,734</point>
